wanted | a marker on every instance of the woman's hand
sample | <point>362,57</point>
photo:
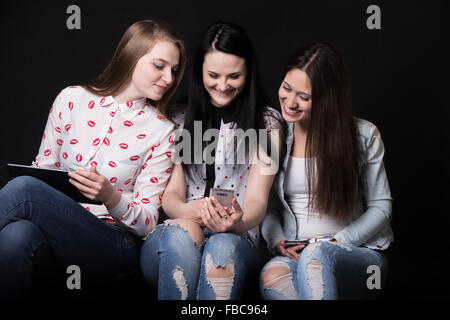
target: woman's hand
<point>193,210</point>
<point>218,218</point>
<point>95,186</point>
<point>289,251</point>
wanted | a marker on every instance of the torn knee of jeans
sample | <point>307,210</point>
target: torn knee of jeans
<point>220,278</point>
<point>315,280</point>
<point>180,281</point>
<point>198,239</point>
<point>278,277</point>
<point>275,273</point>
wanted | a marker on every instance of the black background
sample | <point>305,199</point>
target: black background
<point>399,77</point>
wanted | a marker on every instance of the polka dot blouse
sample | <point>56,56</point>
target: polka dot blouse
<point>227,176</point>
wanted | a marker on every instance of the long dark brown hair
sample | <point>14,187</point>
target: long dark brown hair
<point>250,106</point>
<point>137,40</point>
<point>333,180</point>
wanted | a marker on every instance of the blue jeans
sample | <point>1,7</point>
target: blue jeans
<point>173,262</point>
<point>38,221</point>
<point>325,270</point>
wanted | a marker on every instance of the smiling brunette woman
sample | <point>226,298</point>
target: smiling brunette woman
<point>332,190</point>
<point>115,140</point>
<point>217,262</point>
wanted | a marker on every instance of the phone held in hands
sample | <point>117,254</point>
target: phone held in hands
<point>296,242</point>
<point>225,196</point>
<point>309,241</point>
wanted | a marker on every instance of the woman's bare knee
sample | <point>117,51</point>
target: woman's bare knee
<point>193,228</point>
<point>274,275</point>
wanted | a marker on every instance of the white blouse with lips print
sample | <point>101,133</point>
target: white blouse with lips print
<point>130,143</point>
<point>227,176</point>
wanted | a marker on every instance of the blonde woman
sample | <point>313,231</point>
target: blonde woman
<point>115,139</point>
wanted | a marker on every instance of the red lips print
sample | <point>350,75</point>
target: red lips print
<point>147,221</point>
<point>58,129</point>
<point>128,123</point>
<point>112,114</point>
<point>156,146</point>
<point>170,139</point>
<point>113,180</point>
<point>102,101</point>
<point>58,164</point>
<point>73,141</point>
<point>64,155</point>
<point>134,158</point>
<point>91,104</point>
<point>47,152</point>
<point>110,130</point>
<point>106,141</point>
<point>154,180</point>
<point>94,163</point>
<point>123,146</point>
<point>96,142</point>
<point>70,105</point>
<point>145,200</point>
<point>129,104</point>
<point>112,164</point>
<point>128,181</point>
<point>59,142</point>
<point>91,123</point>
<point>168,154</point>
<point>79,157</point>
<point>141,136</point>
<point>68,126</point>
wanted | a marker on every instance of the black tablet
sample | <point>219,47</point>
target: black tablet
<point>55,178</point>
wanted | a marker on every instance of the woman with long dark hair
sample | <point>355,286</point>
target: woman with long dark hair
<point>115,139</point>
<point>331,194</point>
<point>208,250</point>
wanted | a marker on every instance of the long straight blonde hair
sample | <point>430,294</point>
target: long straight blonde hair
<point>138,40</point>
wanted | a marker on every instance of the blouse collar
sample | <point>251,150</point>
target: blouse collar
<point>129,109</point>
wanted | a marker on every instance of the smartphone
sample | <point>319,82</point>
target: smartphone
<point>223,195</point>
<point>295,242</point>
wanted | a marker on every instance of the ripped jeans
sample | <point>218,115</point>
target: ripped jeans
<point>173,262</point>
<point>325,270</point>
